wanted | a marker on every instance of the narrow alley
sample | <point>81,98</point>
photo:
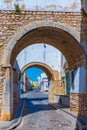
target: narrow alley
<point>39,115</point>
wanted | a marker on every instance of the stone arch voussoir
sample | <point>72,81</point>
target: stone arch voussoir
<point>34,25</point>
<point>47,69</point>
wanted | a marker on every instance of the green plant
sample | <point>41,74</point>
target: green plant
<point>17,8</point>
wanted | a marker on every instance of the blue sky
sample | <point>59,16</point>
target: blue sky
<point>33,73</point>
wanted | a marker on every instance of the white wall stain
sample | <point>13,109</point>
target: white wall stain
<point>42,5</point>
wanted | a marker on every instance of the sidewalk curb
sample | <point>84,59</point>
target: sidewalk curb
<point>17,121</point>
<point>70,116</point>
<point>74,119</point>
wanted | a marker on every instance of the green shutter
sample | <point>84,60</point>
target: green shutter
<point>67,83</point>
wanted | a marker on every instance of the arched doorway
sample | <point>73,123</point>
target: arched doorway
<point>53,76</point>
<point>44,67</point>
<point>58,35</point>
<point>50,74</point>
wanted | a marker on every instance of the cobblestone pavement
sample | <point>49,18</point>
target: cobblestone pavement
<point>39,115</point>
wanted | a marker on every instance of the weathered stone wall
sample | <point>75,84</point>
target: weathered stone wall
<point>16,88</point>
<point>2,76</point>
<point>55,88</point>
<point>25,83</point>
<point>11,23</point>
<point>58,89</point>
<point>6,96</point>
<point>78,103</point>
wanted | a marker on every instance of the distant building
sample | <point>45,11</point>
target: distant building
<point>44,82</point>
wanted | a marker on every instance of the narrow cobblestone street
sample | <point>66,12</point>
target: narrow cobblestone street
<point>39,115</point>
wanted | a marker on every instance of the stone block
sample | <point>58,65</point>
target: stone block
<point>12,43</point>
<point>5,117</point>
<point>3,38</point>
<point>20,34</point>
<point>6,99</point>
<point>73,102</point>
<point>6,88</point>
<point>78,105</point>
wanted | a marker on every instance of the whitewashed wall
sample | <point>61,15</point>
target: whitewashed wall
<point>40,53</point>
<point>79,81</point>
<point>43,5</point>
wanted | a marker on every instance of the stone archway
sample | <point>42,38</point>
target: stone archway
<point>58,35</point>
<point>53,77</point>
<point>61,36</point>
<point>44,67</point>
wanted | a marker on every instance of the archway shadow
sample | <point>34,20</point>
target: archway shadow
<point>36,104</point>
<point>32,105</point>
